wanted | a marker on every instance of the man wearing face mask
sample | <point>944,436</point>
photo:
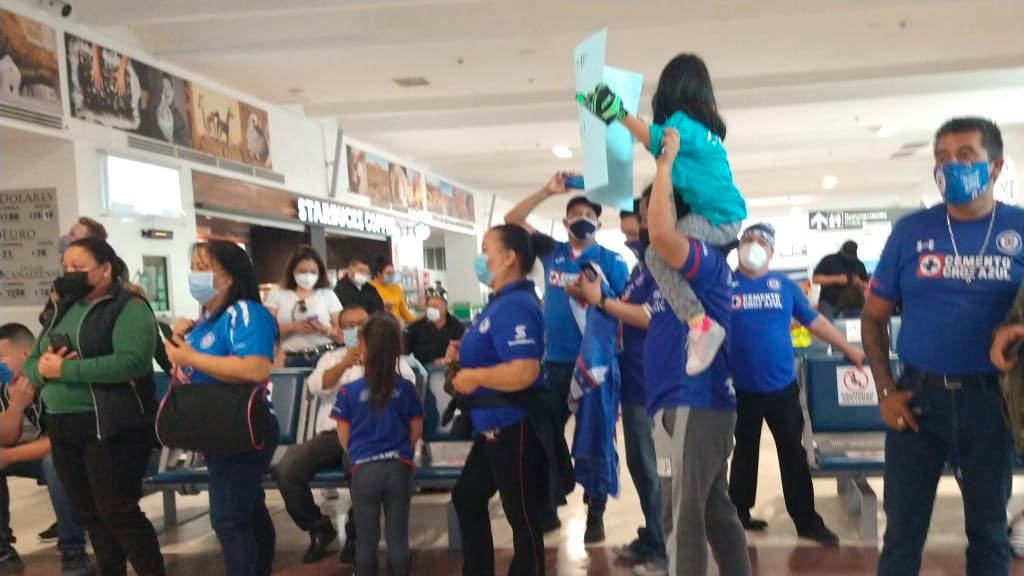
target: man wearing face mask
<point>355,289</point>
<point>323,451</point>
<point>955,268</point>
<point>430,337</point>
<point>565,307</point>
<point>763,305</point>
<point>837,273</point>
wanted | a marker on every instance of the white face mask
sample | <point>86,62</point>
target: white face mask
<point>753,256</point>
<point>433,314</point>
<point>360,279</point>
<point>306,281</point>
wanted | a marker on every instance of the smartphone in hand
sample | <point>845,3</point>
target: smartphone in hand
<point>59,340</point>
<point>573,181</point>
<point>589,270</point>
<point>168,334</point>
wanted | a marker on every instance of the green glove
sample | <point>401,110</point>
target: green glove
<point>604,103</point>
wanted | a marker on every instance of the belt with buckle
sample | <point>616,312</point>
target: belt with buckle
<point>951,381</point>
<point>312,353</point>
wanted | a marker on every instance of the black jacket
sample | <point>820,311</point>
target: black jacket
<point>424,341</point>
<point>120,407</point>
<point>367,298</point>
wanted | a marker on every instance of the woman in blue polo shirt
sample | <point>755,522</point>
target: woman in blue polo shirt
<point>233,341</point>
<point>499,355</point>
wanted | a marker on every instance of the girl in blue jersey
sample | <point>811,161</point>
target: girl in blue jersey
<point>498,356</point>
<point>701,177</point>
<point>233,341</point>
<point>380,420</point>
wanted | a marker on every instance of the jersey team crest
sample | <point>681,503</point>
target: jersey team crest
<point>774,284</point>
<point>929,265</point>
<point>1009,242</point>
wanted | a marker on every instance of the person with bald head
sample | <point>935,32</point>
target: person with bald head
<point>323,451</point>
<point>429,337</point>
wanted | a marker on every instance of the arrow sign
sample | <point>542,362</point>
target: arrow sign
<point>819,221</point>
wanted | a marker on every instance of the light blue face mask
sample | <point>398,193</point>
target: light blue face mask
<point>961,183</point>
<point>5,374</point>
<point>389,279</point>
<point>351,337</point>
<point>483,274</point>
<point>200,285</point>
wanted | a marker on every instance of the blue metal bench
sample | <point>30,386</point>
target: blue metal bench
<point>847,441</point>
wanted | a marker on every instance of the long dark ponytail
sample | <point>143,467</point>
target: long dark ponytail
<point>383,341</point>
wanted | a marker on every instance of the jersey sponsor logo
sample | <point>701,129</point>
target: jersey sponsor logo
<point>657,304</point>
<point>562,279</point>
<point>364,395</point>
<point>966,268</point>
<point>207,342</point>
<point>521,338</point>
<point>485,325</point>
<point>929,244</point>
<point>757,301</point>
<point>774,284</point>
<point>1008,242</point>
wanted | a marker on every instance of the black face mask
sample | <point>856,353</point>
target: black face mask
<point>72,285</point>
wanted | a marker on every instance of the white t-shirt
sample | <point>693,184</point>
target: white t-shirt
<point>320,306</point>
<point>315,384</point>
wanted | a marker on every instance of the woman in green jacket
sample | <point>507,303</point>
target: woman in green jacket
<point>93,364</point>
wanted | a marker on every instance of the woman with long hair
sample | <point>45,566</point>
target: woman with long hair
<point>232,342</point>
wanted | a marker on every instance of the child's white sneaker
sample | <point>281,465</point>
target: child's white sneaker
<point>702,343</point>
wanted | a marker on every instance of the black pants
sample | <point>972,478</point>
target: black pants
<point>295,471</point>
<point>786,421</point>
<point>103,481</point>
<point>31,470</point>
<point>513,464</point>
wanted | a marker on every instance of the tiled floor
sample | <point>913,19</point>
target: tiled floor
<point>192,549</point>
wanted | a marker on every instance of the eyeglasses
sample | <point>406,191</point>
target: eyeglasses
<point>757,234</point>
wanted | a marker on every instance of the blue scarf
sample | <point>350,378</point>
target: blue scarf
<point>594,399</point>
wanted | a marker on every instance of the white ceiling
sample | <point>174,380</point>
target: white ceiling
<point>804,85</point>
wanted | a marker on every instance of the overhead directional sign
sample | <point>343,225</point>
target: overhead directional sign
<point>822,220</point>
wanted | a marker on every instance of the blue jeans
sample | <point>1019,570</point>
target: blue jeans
<point>968,422</point>
<point>238,510</point>
<point>643,469</point>
<point>70,535</point>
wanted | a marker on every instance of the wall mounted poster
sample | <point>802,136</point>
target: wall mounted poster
<point>109,88</point>
<point>28,245</point>
<point>29,73</point>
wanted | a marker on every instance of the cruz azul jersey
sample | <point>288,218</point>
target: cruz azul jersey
<point>666,384</point>
<point>631,361</point>
<point>951,304</point>
<point>762,349</point>
<point>561,269</point>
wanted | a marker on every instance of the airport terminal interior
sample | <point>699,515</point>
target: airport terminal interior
<point>300,189</point>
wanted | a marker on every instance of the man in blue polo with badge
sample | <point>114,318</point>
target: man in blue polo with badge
<point>565,306</point>
<point>955,269</point>
<point>764,303</point>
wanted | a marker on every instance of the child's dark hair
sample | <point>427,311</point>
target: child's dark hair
<point>383,339</point>
<point>517,239</point>
<point>237,264</point>
<point>685,86</point>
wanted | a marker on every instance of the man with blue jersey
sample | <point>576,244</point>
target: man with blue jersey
<point>763,305</point>
<point>649,545</point>
<point>694,416</point>
<point>565,308</point>
<point>955,269</point>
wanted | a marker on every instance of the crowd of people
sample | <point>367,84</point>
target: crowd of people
<point>705,359</point>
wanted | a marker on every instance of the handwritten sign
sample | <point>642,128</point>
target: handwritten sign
<point>29,231</point>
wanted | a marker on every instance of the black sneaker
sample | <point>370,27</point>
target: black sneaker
<point>75,563</point>
<point>10,562</point>
<point>595,529</point>
<point>820,534</point>
<point>348,552</point>
<point>319,539</point>
<point>49,535</point>
<point>753,524</point>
